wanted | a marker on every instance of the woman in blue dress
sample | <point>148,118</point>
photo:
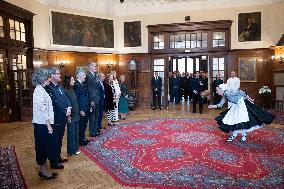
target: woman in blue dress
<point>123,103</point>
<point>243,116</point>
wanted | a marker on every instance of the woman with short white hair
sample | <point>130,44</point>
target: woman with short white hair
<point>43,119</point>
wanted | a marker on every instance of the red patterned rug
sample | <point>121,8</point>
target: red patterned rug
<point>10,172</point>
<point>189,153</point>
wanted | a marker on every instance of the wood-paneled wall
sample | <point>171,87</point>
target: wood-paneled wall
<point>143,64</point>
<point>264,70</point>
<point>119,64</point>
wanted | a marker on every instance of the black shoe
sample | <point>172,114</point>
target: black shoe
<point>57,166</point>
<point>53,176</point>
<point>153,108</point>
<point>160,108</point>
<point>194,112</point>
<point>63,160</point>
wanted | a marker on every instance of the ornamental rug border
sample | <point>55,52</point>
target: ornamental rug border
<point>188,153</point>
<point>10,172</point>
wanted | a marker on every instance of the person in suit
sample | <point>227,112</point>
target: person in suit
<point>197,86</point>
<point>216,83</point>
<point>175,88</point>
<point>92,84</point>
<point>83,103</point>
<point>62,109</point>
<point>156,85</point>
<point>43,119</point>
<point>101,78</point>
<point>73,120</point>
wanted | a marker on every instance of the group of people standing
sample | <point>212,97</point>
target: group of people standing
<point>74,103</point>
<point>188,86</point>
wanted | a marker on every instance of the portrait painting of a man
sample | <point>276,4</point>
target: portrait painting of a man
<point>249,26</point>
<point>132,34</point>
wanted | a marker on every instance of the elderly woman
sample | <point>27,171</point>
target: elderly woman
<point>123,104</point>
<point>43,119</point>
<point>109,99</point>
<point>73,120</point>
<point>243,116</point>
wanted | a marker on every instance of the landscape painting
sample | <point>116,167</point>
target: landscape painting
<point>76,30</point>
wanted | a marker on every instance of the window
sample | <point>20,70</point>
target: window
<point>218,67</point>
<point>17,30</point>
<point>1,27</point>
<point>177,41</point>
<point>218,39</point>
<point>196,40</point>
<point>159,41</point>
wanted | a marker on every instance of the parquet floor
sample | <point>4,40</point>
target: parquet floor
<point>80,171</point>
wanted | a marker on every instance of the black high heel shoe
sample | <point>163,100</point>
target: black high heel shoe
<point>53,176</point>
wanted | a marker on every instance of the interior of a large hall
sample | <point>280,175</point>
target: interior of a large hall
<point>168,94</point>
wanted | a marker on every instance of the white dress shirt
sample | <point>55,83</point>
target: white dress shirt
<point>42,106</point>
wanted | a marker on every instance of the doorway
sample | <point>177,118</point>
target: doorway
<point>185,67</point>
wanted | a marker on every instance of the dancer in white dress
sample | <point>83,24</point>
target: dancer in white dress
<point>243,116</point>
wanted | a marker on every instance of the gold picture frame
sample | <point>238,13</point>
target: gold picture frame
<point>247,69</point>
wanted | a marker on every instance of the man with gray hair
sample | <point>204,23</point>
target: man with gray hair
<point>62,109</point>
<point>83,102</point>
<point>92,84</point>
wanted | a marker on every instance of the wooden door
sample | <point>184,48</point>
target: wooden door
<point>20,86</point>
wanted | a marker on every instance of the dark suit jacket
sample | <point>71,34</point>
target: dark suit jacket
<point>156,84</point>
<point>60,103</point>
<point>92,85</point>
<point>195,84</point>
<point>82,96</point>
<point>74,103</point>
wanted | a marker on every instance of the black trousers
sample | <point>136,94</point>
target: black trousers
<point>83,126</point>
<point>156,97</point>
<point>197,98</point>
<point>46,145</point>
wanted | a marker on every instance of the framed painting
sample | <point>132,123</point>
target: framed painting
<point>247,69</point>
<point>132,34</point>
<point>76,30</point>
<point>249,26</point>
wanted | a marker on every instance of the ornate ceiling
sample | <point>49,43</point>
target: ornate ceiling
<point>136,7</point>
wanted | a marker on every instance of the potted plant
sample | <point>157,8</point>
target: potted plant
<point>265,92</point>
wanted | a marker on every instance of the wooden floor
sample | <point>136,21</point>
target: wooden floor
<point>79,171</point>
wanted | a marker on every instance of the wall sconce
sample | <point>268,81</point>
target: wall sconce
<point>279,54</point>
<point>278,58</point>
<point>61,63</point>
<point>110,63</point>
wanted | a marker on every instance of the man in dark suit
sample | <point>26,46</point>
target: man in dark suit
<point>101,78</point>
<point>197,86</point>
<point>217,98</point>
<point>92,84</point>
<point>156,84</point>
<point>62,109</point>
<point>84,105</point>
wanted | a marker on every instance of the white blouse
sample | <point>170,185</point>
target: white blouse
<point>42,106</point>
<point>116,88</point>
